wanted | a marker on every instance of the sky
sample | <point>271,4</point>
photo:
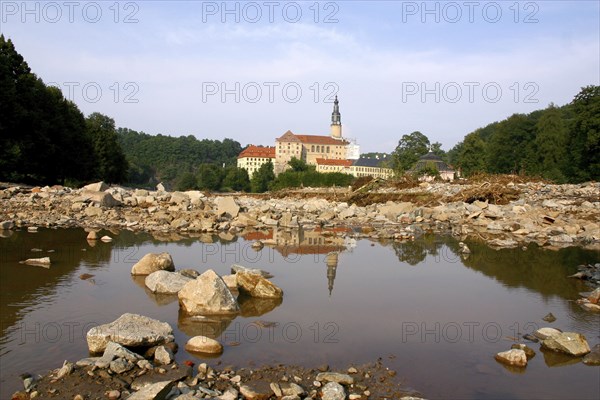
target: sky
<point>250,71</point>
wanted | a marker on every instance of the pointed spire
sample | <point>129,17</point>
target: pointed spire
<point>336,117</point>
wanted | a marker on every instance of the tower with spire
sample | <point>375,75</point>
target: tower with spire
<point>336,120</point>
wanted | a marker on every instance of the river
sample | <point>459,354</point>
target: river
<point>435,317</point>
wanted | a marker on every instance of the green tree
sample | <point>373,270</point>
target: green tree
<point>111,162</point>
<point>236,179</point>
<point>584,143</point>
<point>42,135</point>
<point>298,165</point>
<point>551,140</point>
<point>472,155</point>
<point>262,178</point>
<point>187,181</point>
<point>209,177</point>
<point>509,149</point>
<point>409,150</point>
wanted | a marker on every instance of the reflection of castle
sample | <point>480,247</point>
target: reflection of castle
<point>331,261</point>
<point>297,241</point>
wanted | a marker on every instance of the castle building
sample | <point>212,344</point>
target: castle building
<point>328,153</point>
<point>253,157</point>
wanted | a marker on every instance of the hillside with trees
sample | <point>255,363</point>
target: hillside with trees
<point>173,160</point>
<point>44,138</point>
<point>561,144</point>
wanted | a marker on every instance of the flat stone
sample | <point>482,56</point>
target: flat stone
<point>96,187</point>
<point>235,268</point>
<point>153,262</point>
<point>594,297</point>
<point>570,343</point>
<point>38,262</point>
<point>546,332</point>
<point>155,391</point>
<point>115,350</point>
<point>227,206</point>
<point>203,344</point>
<point>120,365</point>
<point>165,282</point>
<point>256,390</point>
<point>343,379</point>
<point>130,330</point>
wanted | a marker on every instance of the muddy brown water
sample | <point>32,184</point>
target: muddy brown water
<point>434,317</point>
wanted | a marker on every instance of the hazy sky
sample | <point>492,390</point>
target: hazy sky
<point>252,70</point>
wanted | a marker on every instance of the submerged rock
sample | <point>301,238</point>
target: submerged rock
<point>593,357</point>
<point>570,343</point>
<point>39,262</point>
<point>516,357</point>
<point>256,286</point>
<point>203,344</point>
<point>130,330</point>
<point>546,333</point>
<point>153,262</point>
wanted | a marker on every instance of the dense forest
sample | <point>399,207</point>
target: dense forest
<point>44,138</point>
<point>168,159</point>
<point>561,144</point>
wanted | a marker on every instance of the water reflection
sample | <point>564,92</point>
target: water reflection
<point>425,280</point>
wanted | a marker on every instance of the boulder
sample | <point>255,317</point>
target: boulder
<point>115,350</point>
<point>227,206</point>
<point>203,344</point>
<point>131,330</point>
<point>206,295</point>
<point>516,357</point>
<point>153,262</point>
<point>255,285</point>
<point>529,352</point>
<point>333,391</point>
<point>102,199</point>
<point>163,355</point>
<point>96,187</point>
<point>570,343</point>
<point>166,282</point>
<point>593,357</point>
<point>594,297</point>
<point>179,198</point>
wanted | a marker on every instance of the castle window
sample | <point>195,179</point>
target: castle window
<point>327,149</point>
<point>312,148</point>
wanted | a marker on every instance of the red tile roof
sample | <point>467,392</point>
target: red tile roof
<point>257,151</point>
<point>310,139</point>
<point>316,139</point>
<point>327,161</point>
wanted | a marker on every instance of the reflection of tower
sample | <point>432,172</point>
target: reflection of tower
<point>332,262</point>
<point>336,121</point>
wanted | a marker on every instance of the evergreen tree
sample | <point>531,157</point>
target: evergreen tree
<point>551,143</point>
<point>111,162</point>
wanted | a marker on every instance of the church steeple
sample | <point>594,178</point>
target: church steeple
<point>336,120</point>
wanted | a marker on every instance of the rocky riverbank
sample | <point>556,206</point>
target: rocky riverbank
<point>146,370</point>
<point>505,215</point>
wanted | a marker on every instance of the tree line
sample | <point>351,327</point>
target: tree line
<point>44,138</point>
<point>561,144</point>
